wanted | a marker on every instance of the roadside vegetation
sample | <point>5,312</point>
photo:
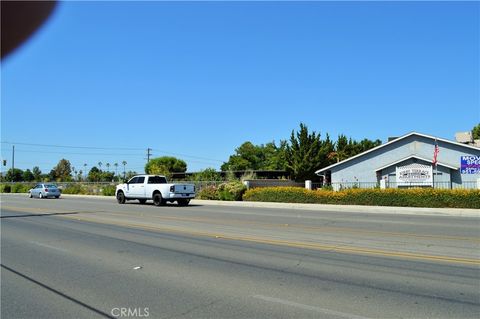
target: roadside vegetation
<point>418,197</point>
<point>299,156</point>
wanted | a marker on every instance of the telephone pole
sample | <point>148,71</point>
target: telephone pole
<point>149,154</point>
<point>13,162</point>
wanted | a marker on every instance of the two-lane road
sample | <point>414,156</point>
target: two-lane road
<point>84,258</point>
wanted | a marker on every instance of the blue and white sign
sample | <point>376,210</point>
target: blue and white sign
<point>470,164</point>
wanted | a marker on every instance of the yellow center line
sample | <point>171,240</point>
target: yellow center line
<point>263,240</point>
<point>218,221</point>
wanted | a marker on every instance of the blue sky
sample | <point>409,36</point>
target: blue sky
<point>196,80</point>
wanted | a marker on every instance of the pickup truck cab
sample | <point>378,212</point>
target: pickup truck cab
<point>156,188</point>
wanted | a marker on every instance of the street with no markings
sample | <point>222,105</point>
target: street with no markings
<point>92,258</point>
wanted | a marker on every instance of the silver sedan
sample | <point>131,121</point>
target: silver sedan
<point>44,191</point>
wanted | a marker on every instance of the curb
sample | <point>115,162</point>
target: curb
<point>393,210</point>
<point>418,211</point>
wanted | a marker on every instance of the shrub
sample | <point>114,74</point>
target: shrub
<point>208,192</point>
<point>6,188</point>
<point>75,189</point>
<point>108,190</point>
<point>420,197</point>
<point>232,191</point>
<point>20,188</point>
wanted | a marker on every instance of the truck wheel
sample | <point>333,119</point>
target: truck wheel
<point>158,200</point>
<point>120,197</point>
<point>142,201</point>
<point>183,202</point>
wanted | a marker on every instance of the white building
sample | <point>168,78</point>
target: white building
<point>408,161</point>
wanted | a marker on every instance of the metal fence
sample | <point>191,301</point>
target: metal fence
<point>199,185</point>
<point>369,185</point>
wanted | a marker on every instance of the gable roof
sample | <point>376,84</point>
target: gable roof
<point>417,157</point>
<point>394,141</point>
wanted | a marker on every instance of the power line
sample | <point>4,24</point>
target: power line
<point>69,153</point>
<point>112,148</point>
<point>70,146</point>
<point>185,155</point>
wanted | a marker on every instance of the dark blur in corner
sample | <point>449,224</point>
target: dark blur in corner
<point>19,20</point>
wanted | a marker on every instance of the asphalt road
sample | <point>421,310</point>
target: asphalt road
<point>89,258</point>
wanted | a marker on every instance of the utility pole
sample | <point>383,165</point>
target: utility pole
<point>149,154</point>
<point>13,163</point>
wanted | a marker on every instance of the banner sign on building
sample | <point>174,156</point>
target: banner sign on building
<point>470,164</point>
<point>414,175</point>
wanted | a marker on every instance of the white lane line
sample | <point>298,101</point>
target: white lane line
<point>307,307</point>
<point>48,246</point>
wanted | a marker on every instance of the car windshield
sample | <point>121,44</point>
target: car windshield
<point>50,186</point>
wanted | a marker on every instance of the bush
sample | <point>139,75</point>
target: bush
<point>6,189</point>
<point>20,188</point>
<point>420,197</point>
<point>231,191</point>
<point>109,190</point>
<point>15,188</point>
<point>74,189</point>
<point>208,192</point>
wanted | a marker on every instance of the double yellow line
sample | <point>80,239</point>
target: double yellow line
<point>261,240</point>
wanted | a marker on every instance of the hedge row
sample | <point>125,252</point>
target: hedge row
<point>105,190</point>
<point>15,188</point>
<point>419,197</point>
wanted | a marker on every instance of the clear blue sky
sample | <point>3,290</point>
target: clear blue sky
<point>200,79</point>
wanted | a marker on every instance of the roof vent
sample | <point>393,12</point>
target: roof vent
<point>464,137</point>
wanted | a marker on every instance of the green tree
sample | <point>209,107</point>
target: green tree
<point>165,166</point>
<point>347,147</point>
<point>116,170</point>
<point>94,175</point>
<point>476,132</point>
<point>106,176</point>
<point>37,174</point>
<point>62,172</point>
<point>28,176</point>
<point>246,157</point>
<point>257,157</point>
<point>124,173</point>
<point>366,144</point>
<point>208,174</point>
<point>130,174</point>
<point>305,154</point>
<point>275,157</point>
<point>14,175</point>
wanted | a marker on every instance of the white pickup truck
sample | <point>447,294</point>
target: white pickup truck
<point>156,188</point>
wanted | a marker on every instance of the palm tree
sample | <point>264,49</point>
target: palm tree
<point>100,165</point>
<point>108,167</point>
<point>124,163</point>
<point>116,169</point>
<point>85,165</point>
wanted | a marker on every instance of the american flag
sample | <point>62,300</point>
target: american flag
<point>435,153</point>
